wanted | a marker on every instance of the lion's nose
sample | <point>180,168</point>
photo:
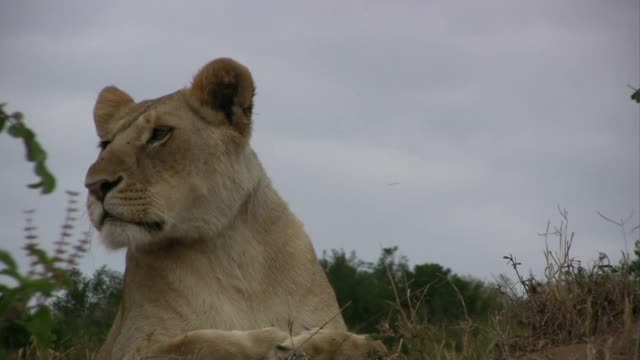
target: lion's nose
<point>101,188</point>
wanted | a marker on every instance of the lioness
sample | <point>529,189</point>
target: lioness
<point>217,265</point>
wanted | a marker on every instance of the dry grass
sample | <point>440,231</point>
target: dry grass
<point>574,312</point>
<point>572,304</point>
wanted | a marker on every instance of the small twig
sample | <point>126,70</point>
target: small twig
<point>323,325</point>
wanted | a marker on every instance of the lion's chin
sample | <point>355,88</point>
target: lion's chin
<point>117,234</point>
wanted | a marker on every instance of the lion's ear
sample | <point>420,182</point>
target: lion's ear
<point>226,86</point>
<point>110,101</point>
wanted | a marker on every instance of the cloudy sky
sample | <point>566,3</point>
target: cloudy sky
<point>451,129</point>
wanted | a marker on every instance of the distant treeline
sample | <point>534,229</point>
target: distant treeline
<point>372,293</point>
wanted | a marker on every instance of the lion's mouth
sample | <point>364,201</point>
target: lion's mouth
<point>152,226</point>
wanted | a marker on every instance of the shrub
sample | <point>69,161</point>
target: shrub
<point>25,317</point>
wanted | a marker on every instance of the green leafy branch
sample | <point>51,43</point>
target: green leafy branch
<point>636,94</point>
<point>23,299</point>
<point>35,153</point>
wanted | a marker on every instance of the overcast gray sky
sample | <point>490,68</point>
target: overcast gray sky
<point>451,129</point>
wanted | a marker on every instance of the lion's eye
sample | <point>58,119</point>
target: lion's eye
<point>159,134</point>
<point>103,144</point>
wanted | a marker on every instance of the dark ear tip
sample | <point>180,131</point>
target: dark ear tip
<point>224,61</point>
<point>223,73</point>
<point>226,86</point>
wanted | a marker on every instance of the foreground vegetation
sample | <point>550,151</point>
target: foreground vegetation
<point>420,312</point>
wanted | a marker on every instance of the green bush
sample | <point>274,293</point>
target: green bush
<point>83,313</point>
<point>379,292</point>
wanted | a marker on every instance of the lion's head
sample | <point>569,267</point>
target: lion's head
<point>175,168</point>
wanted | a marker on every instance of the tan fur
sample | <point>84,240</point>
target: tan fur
<point>110,101</point>
<point>259,345</point>
<point>210,243</point>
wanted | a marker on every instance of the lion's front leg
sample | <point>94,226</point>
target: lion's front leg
<point>219,344</point>
<point>269,344</point>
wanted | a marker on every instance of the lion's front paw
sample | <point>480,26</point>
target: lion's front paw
<point>218,344</point>
<point>329,345</point>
